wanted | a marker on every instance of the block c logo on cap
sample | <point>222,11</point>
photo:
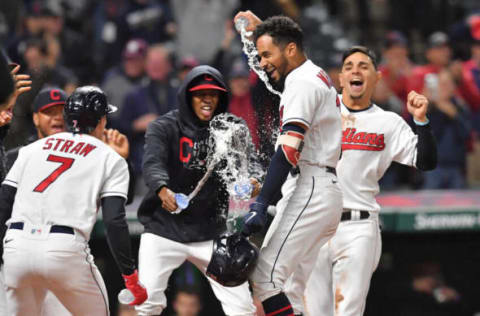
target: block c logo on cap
<point>55,94</point>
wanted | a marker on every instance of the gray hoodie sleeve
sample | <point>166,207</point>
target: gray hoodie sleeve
<point>155,159</point>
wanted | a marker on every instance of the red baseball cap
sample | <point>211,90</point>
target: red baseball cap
<point>474,22</point>
<point>206,82</point>
<point>49,97</point>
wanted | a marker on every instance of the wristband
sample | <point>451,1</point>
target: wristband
<point>421,123</point>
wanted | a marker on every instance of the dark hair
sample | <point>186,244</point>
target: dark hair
<point>190,290</point>
<point>282,29</point>
<point>360,49</point>
<point>6,80</point>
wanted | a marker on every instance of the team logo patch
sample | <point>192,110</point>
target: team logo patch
<point>353,140</point>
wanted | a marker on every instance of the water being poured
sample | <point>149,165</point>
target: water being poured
<point>228,155</point>
<point>251,51</point>
<point>232,150</point>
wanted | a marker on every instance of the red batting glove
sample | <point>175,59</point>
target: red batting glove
<point>137,289</point>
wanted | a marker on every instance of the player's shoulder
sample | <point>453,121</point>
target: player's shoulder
<point>309,75</point>
<point>393,119</point>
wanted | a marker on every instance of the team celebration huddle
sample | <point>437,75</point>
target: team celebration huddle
<point>320,182</point>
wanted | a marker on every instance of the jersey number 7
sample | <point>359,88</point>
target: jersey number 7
<point>66,163</point>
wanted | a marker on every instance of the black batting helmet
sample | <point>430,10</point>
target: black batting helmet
<point>84,109</point>
<point>233,260</point>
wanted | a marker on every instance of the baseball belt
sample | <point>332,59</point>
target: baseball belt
<point>53,229</point>
<point>296,171</point>
<point>349,214</point>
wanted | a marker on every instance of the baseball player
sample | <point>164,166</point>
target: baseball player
<point>309,145</point>
<point>49,198</point>
<point>48,120</point>
<point>372,138</point>
<point>174,163</point>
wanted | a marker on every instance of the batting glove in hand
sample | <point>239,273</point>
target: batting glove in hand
<point>136,288</point>
<point>255,220</point>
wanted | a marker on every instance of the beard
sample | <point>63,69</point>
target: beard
<point>278,85</point>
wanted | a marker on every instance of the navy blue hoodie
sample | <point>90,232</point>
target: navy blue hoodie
<point>168,158</point>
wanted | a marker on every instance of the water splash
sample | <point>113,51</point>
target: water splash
<point>252,54</point>
<point>231,150</point>
<point>228,156</point>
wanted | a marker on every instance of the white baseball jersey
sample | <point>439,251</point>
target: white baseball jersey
<point>372,138</point>
<point>309,98</point>
<point>311,205</point>
<point>59,180</point>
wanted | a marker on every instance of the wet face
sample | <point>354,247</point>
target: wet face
<point>204,103</point>
<point>359,76</point>
<point>273,58</point>
<point>49,121</point>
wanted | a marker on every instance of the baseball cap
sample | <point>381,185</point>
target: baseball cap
<point>474,23</point>
<point>395,38</point>
<point>239,70</point>
<point>188,63</point>
<point>135,48</point>
<point>437,39</point>
<point>205,82</point>
<point>49,97</point>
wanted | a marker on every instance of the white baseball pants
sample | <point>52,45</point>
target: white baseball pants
<point>158,257</point>
<point>307,217</point>
<point>37,261</point>
<point>341,278</point>
<point>51,304</point>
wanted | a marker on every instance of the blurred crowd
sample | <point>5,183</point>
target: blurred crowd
<point>138,52</point>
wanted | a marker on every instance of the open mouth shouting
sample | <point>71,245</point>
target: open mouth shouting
<point>56,128</point>
<point>356,86</point>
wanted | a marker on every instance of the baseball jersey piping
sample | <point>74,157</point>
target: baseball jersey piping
<point>11,183</point>
<point>291,228</point>
<point>296,119</point>
<point>96,281</point>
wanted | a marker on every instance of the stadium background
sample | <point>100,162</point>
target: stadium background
<point>425,232</point>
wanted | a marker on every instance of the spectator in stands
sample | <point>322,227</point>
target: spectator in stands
<point>150,20</point>
<point>469,86</point>
<point>428,295</point>
<point>73,47</point>
<point>42,62</point>
<point>391,91</point>
<point>451,125</point>
<point>241,103</point>
<point>148,101</point>
<point>123,79</point>
<point>187,302</point>
<point>31,25</point>
<point>195,19</point>
<point>438,55</point>
<point>186,64</point>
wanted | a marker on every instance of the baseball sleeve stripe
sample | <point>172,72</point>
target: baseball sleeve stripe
<point>10,182</point>
<point>297,119</point>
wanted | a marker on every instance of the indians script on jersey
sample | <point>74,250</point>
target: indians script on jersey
<point>361,140</point>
